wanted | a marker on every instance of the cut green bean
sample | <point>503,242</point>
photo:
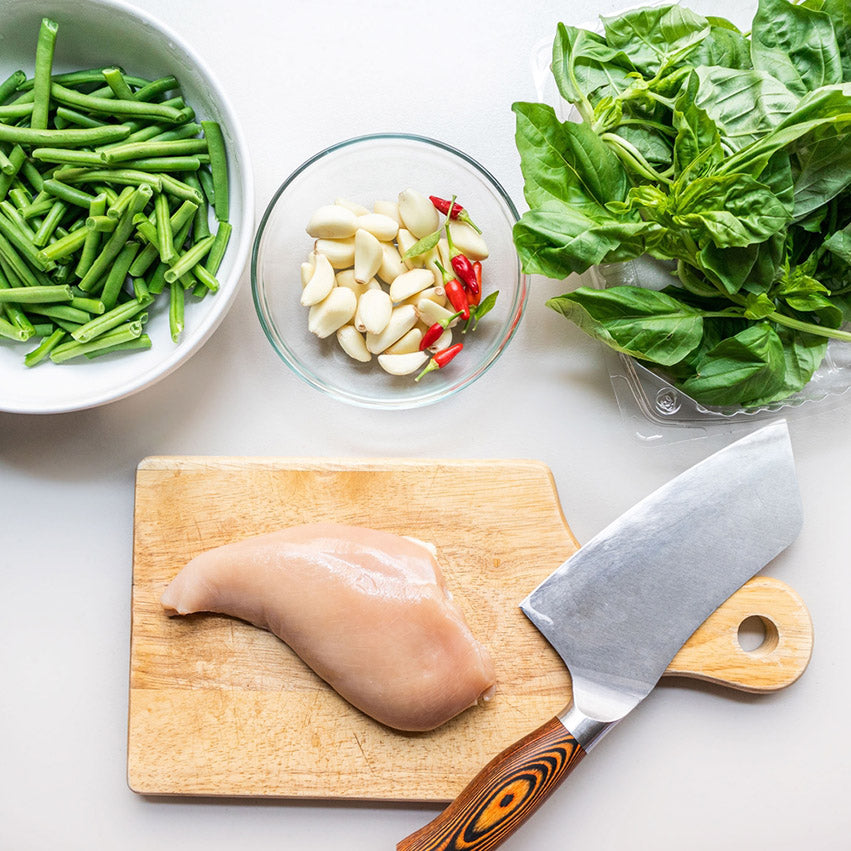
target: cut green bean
<point>116,241</point>
<point>111,319</point>
<point>148,149</point>
<point>19,196</point>
<point>69,157</point>
<point>11,84</point>
<point>218,167</point>
<point>176,310</point>
<point>97,207</point>
<point>217,252</point>
<point>115,80</point>
<point>69,194</point>
<point>118,274</point>
<point>14,216</point>
<point>70,350</point>
<point>43,71</point>
<point>6,165</point>
<point>143,341</point>
<point>90,305</point>
<point>66,245</point>
<point>61,312</point>
<point>43,329</point>
<point>179,189</point>
<point>189,259</point>
<point>123,176</point>
<point>13,332</point>
<point>32,175</point>
<point>114,106</point>
<point>165,235</point>
<point>165,164</point>
<point>156,88</point>
<point>205,278</point>
<point>74,137</point>
<point>24,245</point>
<point>72,116</point>
<point>184,131</point>
<point>16,157</point>
<point>46,228</point>
<point>35,295</point>
<point>120,202</point>
<point>102,224</point>
<point>14,111</point>
<point>48,344</point>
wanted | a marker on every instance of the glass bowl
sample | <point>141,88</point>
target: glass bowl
<point>364,170</point>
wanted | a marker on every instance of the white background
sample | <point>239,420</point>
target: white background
<point>693,767</point>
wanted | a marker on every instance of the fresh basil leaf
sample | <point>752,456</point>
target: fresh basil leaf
<point>697,133</point>
<point>795,44</point>
<point>839,244</point>
<point>557,239</point>
<point>724,45</point>
<point>643,323</point>
<point>752,268</point>
<point>565,161</point>
<point>423,245</point>
<point>743,104</point>
<point>824,165</point>
<point>655,146</point>
<point>655,37</point>
<point>839,12</point>
<point>485,306</point>
<point>827,312</point>
<point>739,370</point>
<point>586,68</point>
<point>729,210</point>
<point>758,306</point>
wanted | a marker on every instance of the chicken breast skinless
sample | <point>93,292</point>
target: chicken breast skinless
<point>368,611</point>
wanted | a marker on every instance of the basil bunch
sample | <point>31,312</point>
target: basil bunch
<point>727,153</point>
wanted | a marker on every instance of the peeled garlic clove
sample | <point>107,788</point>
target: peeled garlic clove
<point>357,209</point>
<point>431,312</point>
<point>346,278</point>
<point>436,294</point>
<point>391,263</point>
<point>410,283</point>
<point>402,364</point>
<point>373,312</point>
<point>443,251</point>
<point>353,344</point>
<point>468,242</point>
<point>432,258</point>
<point>334,311</point>
<point>340,252</point>
<point>418,213</point>
<point>402,319</point>
<point>388,208</point>
<point>332,222</point>
<point>442,342</point>
<point>405,239</point>
<point>368,255</point>
<point>307,268</point>
<point>409,342</point>
<point>321,282</point>
<point>383,228</point>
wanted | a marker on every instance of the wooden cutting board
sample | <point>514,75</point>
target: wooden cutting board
<point>218,707</point>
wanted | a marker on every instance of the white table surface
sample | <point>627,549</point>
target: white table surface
<point>694,766</point>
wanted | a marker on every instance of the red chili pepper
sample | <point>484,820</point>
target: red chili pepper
<point>462,265</point>
<point>473,298</point>
<point>455,293</point>
<point>454,211</point>
<point>435,332</point>
<point>440,359</point>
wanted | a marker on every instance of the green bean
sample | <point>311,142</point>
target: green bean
<point>102,224</point>
<point>19,196</point>
<point>70,78</point>
<point>90,305</point>
<point>48,344</point>
<point>48,225</point>
<point>116,241</point>
<point>97,207</point>
<point>179,189</point>
<point>205,278</point>
<point>184,131</point>
<point>115,80</point>
<point>35,295</point>
<point>24,245</point>
<point>111,319</point>
<point>206,180</point>
<point>124,176</point>
<point>66,245</point>
<point>16,158</point>
<point>157,87</point>
<point>165,164</point>
<point>43,329</point>
<point>140,290</point>
<point>15,111</point>
<point>6,166</point>
<point>217,252</point>
<point>13,332</point>
<point>72,116</point>
<point>156,283</point>
<point>16,218</point>
<point>165,235</point>
<point>61,312</point>
<point>149,149</point>
<point>143,341</point>
<point>32,175</point>
<point>120,202</point>
<point>118,274</point>
<point>142,135</point>
<point>218,167</point>
<point>114,106</point>
<point>69,194</point>
<point>69,157</point>
<point>176,310</point>
<point>70,138</point>
<point>122,334</point>
<point>189,259</point>
<point>11,84</point>
<point>43,70</point>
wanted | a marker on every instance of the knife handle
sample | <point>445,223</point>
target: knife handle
<point>503,794</point>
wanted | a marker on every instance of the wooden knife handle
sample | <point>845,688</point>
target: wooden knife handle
<point>503,794</point>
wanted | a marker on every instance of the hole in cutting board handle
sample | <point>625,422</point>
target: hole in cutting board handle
<point>758,634</point>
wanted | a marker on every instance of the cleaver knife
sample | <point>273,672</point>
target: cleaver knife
<point>619,609</point>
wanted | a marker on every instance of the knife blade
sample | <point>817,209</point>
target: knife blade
<point>620,608</point>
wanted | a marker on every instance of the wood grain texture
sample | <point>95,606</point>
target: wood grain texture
<point>218,707</point>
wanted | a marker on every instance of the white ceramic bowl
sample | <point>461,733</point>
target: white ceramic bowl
<point>95,33</point>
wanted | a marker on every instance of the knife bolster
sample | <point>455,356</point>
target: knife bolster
<point>587,731</point>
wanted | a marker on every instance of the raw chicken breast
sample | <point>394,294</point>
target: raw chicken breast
<point>368,611</point>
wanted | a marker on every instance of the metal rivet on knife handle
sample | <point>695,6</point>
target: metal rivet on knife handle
<point>503,794</point>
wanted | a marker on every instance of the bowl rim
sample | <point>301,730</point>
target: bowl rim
<point>226,296</point>
<point>296,364</point>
